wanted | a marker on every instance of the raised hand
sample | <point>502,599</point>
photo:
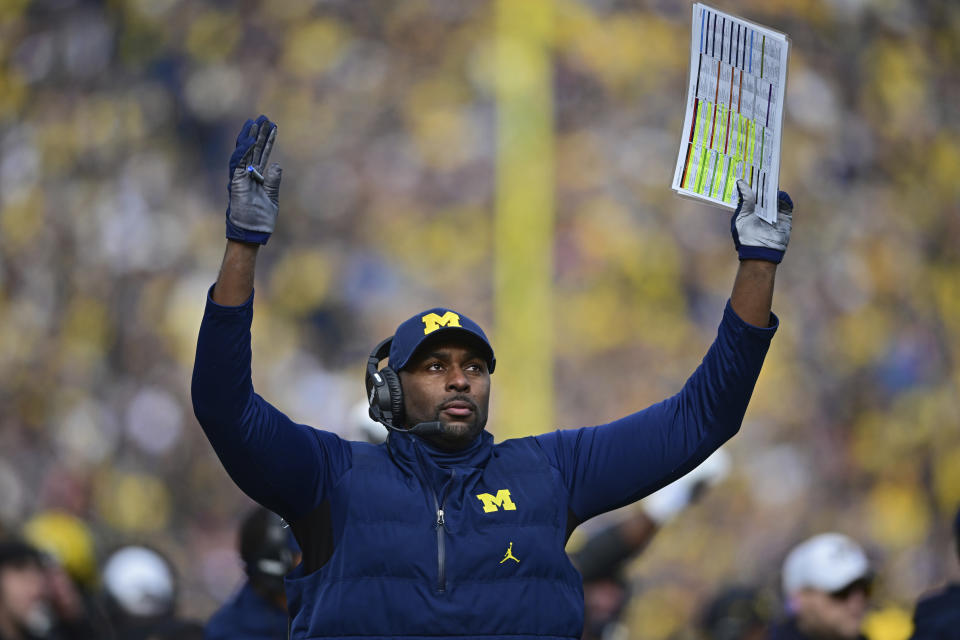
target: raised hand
<point>254,187</point>
<point>755,238</point>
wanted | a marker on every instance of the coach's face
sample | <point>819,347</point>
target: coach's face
<point>447,380</point>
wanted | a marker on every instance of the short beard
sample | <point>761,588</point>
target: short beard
<point>460,436</point>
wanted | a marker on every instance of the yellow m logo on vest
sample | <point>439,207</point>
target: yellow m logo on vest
<point>432,321</point>
<point>501,500</point>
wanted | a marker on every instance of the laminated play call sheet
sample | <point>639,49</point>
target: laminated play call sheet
<point>734,111</point>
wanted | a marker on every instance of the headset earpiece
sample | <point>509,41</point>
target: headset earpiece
<point>396,395</point>
<point>384,392</point>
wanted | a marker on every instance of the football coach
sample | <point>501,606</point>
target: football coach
<point>439,531</point>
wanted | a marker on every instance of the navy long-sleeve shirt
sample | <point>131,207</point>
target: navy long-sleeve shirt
<point>528,492</point>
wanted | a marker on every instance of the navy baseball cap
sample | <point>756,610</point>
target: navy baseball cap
<point>411,333</point>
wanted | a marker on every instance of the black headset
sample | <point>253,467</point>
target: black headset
<point>385,394</point>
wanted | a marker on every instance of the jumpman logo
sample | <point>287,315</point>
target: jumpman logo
<point>509,555</point>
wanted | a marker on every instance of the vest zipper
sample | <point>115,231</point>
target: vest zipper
<point>441,526</point>
<point>441,550</point>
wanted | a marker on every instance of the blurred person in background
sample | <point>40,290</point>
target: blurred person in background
<point>259,609</point>
<point>24,610</point>
<point>140,594</point>
<point>602,559</point>
<point>71,569</point>
<point>73,615</point>
<point>827,581</point>
<point>736,612</point>
<point>39,600</point>
<point>392,564</point>
<point>937,616</point>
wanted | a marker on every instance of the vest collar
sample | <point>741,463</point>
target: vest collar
<point>407,450</point>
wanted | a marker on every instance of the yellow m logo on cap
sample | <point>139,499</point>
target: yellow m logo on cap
<point>432,321</point>
<point>501,500</point>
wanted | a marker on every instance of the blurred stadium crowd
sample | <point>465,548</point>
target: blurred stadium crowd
<point>116,121</point>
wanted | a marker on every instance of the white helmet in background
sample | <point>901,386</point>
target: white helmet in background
<point>139,582</point>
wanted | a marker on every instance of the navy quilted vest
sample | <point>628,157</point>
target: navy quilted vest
<point>472,548</point>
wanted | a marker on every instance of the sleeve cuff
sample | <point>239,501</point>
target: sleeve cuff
<point>245,235</point>
<point>222,309</point>
<point>729,315</point>
<point>760,253</point>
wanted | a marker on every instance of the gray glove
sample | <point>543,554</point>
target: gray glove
<point>757,239</point>
<point>254,187</point>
